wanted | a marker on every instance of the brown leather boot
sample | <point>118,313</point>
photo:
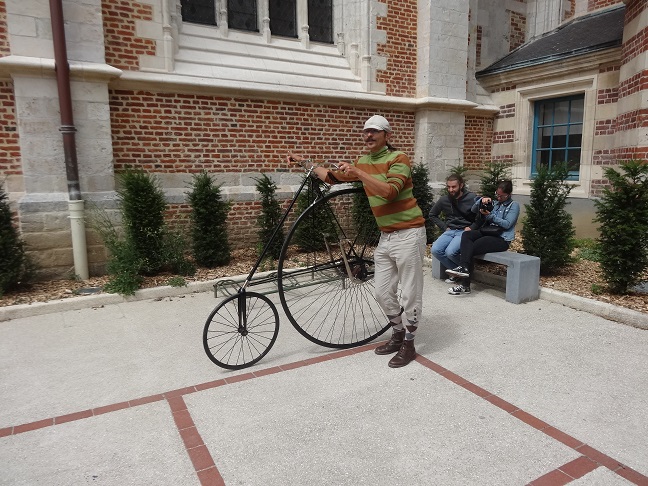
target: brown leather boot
<point>405,354</point>
<point>393,344</point>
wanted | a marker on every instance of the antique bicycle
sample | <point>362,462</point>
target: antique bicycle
<point>324,280</point>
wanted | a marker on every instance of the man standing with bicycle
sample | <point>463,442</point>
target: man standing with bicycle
<point>386,175</point>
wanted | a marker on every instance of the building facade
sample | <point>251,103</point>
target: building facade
<point>175,87</point>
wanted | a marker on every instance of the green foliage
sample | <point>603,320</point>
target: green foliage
<point>177,281</point>
<point>623,215</point>
<point>588,249</point>
<point>269,218</point>
<point>548,230</point>
<point>309,234</point>
<point>124,267</point>
<point>142,207</point>
<point>363,217</point>
<point>146,246</point>
<point>16,268</point>
<point>210,244</point>
<point>493,174</point>
<point>424,196</point>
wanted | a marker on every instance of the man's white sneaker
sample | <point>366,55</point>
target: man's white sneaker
<point>459,289</point>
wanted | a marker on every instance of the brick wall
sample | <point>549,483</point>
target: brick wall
<point>185,134</point>
<point>10,161</point>
<point>572,10</point>
<point>4,35</point>
<point>596,4</point>
<point>517,30</point>
<point>478,141</point>
<point>400,49</point>
<point>123,46</point>
<point>634,8</point>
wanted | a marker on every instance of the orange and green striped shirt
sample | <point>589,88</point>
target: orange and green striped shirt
<point>399,210</point>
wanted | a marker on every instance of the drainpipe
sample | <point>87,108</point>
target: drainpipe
<point>75,203</point>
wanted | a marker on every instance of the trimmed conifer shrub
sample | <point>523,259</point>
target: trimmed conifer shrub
<point>142,207</point>
<point>424,197</point>
<point>623,215</point>
<point>16,268</point>
<point>144,246</point>
<point>548,230</point>
<point>269,218</point>
<point>209,237</point>
<point>494,172</point>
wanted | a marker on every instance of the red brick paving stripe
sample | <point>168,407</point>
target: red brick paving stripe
<point>72,417</point>
<point>599,457</point>
<point>579,467</point>
<point>560,436</point>
<point>198,453</point>
<point>145,400</point>
<point>110,408</point>
<point>237,378</point>
<point>183,419</point>
<point>565,474</point>
<point>529,419</point>
<point>179,392</point>
<point>501,403</point>
<point>19,429</point>
<point>210,384</point>
<point>177,404</point>
<point>210,476</point>
<point>632,476</point>
<point>554,478</point>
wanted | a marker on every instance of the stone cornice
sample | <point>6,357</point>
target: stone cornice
<point>559,68</point>
<point>218,87</point>
<point>44,67</point>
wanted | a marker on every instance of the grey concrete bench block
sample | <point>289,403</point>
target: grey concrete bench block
<point>522,274</point>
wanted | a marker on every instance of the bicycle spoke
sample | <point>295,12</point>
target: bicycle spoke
<point>241,330</point>
<point>330,300</point>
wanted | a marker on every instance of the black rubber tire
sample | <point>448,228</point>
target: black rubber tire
<point>331,301</point>
<point>235,340</point>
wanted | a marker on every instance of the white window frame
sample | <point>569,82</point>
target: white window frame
<point>523,144</point>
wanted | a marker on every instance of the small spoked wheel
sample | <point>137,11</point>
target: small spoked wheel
<point>326,272</point>
<point>241,330</point>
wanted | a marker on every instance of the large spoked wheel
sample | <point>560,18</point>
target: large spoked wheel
<point>241,330</point>
<point>326,272</point>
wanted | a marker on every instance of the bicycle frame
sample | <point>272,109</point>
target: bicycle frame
<point>307,180</point>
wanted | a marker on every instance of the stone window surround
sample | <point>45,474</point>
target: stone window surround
<point>263,20</point>
<point>523,145</point>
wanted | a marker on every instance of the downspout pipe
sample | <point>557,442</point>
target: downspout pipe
<point>68,130</point>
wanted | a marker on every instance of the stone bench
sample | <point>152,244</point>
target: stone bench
<point>522,274</point>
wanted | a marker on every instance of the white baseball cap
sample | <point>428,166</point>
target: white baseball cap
<point>378,122</point>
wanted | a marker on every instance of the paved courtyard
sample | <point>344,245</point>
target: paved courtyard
<point>500,394</point>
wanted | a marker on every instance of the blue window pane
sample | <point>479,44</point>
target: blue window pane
<point>558,133</point>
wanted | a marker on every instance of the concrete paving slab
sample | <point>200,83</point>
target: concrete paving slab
<point>135,446</point>
<point>500,392</point>
<point>352,422</point>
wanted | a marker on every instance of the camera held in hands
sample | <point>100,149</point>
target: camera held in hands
<point>486,206</point>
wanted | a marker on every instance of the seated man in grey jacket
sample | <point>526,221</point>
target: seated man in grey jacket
<point>452,214</point>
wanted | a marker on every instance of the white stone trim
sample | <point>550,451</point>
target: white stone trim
<point>523,143</point>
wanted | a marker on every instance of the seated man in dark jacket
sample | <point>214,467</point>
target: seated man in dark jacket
<point>455,207</point>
